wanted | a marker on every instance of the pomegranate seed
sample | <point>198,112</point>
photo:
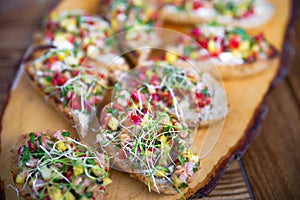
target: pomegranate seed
<point>155,97</point>
<point>196,32</point>
<point>199,95</point>
<point>135,119</point>
<point>197,5</point>
<point>72,39</point>
<point>135,96</point>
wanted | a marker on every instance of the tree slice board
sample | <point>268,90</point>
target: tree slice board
<point>26,111</point>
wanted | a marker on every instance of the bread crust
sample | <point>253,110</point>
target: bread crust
<point>163,185</point>
<point>26,193</point>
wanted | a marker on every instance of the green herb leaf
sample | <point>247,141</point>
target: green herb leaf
<point>184,185</point>
<point>90,161</point>
<point>115,112</point>
<point>66,134</point>
<point>25,155</point>
<point>32,137</point>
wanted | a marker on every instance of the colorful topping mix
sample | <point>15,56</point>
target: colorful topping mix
<point>134,14</point>
<point>227,44</point>
<point>236,9</point>
<point>59,167</point>
<point>79,30</point>
<point>130,14</point>
<point>149,142</point>
<point>166,88</point>
<point>60,74</point>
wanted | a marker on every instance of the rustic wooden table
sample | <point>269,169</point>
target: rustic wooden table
<point>271,165</point>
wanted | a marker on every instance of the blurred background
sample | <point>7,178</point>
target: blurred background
<point>272,162</point>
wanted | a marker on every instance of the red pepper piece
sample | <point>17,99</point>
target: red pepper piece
<point>259,38</point>
<point>235,41</point>
<point>203,42</point>
<point>197,5</point>
<point>59,79</point>
<point>31,146</point>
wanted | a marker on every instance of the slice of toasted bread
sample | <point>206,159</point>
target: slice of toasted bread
<point>58,170</point>
<point>56,98</point>
<point>153,165</point>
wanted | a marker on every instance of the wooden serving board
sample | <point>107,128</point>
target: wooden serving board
<point>26,111</point>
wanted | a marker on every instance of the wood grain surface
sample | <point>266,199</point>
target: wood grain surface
<point>273,161</point>
<point>231,186</point>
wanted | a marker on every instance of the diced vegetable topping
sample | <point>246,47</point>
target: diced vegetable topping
<point>236,9</point>
<point>79,30</point>
<point>61,73</point>
<point>60,167</point>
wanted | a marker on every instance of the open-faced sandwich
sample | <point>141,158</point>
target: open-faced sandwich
<point>58,167</point>
<point>75,90</point>
<point>243,13</point>
<point>191,96</point>
<point>134,21</point>
<point>232,50</point>
<point>151,145</point>
<point>81,31</point>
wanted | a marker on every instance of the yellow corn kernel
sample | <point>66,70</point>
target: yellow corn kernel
<point>161,173</point>
<point>61,56</point>
<point>78,169</point>
<point>53,16</point>
<point>61,146</point>
<point>228,13</point>
<point>114,24</point>
<point>194,55</point>
<point>171,57</point>
<point>188,154</point>
<point>163,139</point>
<point>20,178</point>
<point>55,193</point>
<point>107,181</point>
<point>113,123</point>
<point>244,46</point>
<point>212,46</point>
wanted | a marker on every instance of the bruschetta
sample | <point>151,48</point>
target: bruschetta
<point>150,145</point>
<point>55,166</point>
<point>244,13</point>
